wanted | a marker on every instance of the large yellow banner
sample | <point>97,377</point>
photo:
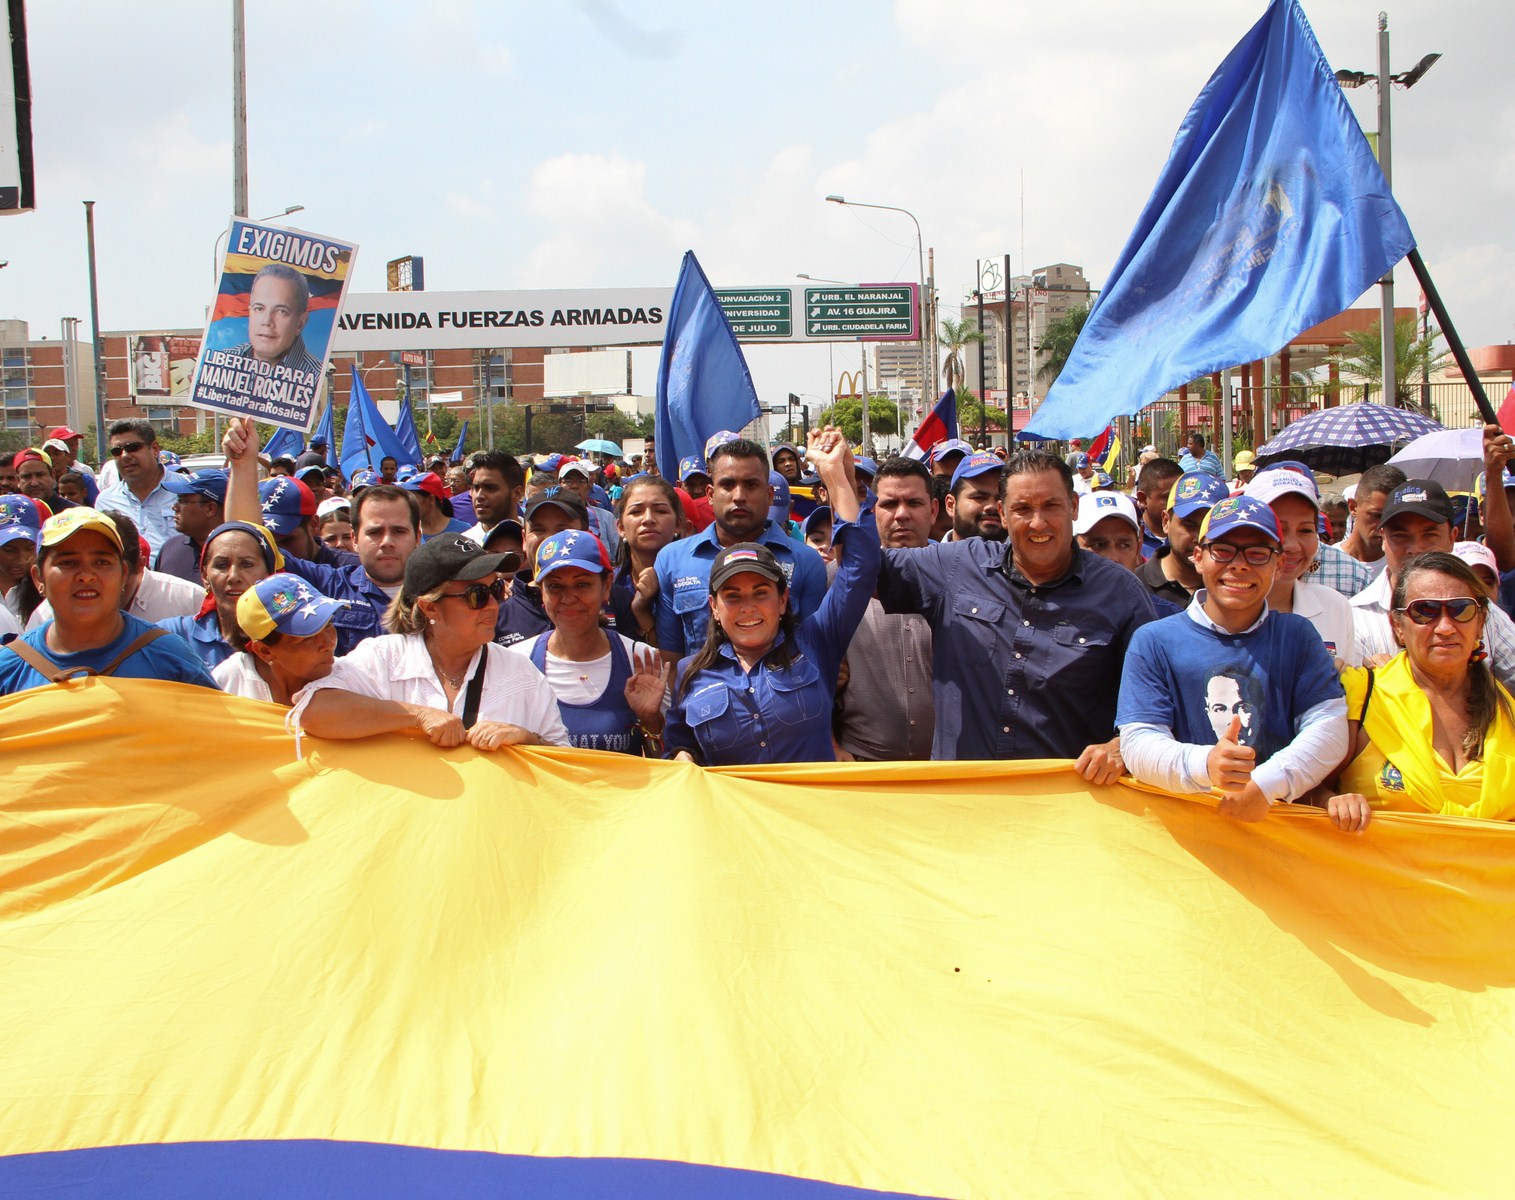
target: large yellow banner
<point>942,979</point>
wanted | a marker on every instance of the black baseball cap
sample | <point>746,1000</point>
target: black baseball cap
<point>1423,497</point>
<point>450,556</point>
<point>567,501</point>
<point>745,556</point>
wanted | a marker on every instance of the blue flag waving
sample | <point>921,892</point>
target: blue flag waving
<point>703,381</point>
<point>285,443</point>
<point>406,435</point>
<point>1270,216</point>
<point>326,430</point>
<point>367,438</point>
<point>457,451</point>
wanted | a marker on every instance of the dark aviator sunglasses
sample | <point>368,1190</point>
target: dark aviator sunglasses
<point>477,595</point>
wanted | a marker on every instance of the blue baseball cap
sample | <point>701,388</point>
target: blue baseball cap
<point>1194,492</point>
<point>719,438</point>
<point>287,503</point>
<point>211,484</point>
<point>284,604</point>
<point>866,466</point>
<point>169,459</point>
<point>571,548</point>
<point>950,446</point>
<point>19,518</point>
<point>782,501</point>
<point>693,464</point>
<point>821,515</point>
<point>316,469</point>
<point>550,463</point>
<point>974,465</point>
<point>1238,512</point>
<point>365,478</point>
<point>1080,462</point>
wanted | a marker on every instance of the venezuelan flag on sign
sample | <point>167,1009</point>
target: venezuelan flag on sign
<point>388,970</point>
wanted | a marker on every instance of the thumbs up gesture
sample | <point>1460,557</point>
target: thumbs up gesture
<point>1230,763</point>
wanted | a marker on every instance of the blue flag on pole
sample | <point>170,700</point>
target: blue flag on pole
<point>285,442</point>
<point>326,429</point>
<point>457,451</point>
<point>367,438</point>
<point>1271,216</point>
<point>406,435</point>
<point>703,382</point>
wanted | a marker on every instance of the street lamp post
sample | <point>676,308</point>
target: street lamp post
<point>1383,79</point>
<point>923,306</point>
<point>215,250</point>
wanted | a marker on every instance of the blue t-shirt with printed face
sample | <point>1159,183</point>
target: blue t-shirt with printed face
<point>1195,679</point>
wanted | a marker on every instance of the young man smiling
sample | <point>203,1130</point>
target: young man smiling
<point>1229,695</point>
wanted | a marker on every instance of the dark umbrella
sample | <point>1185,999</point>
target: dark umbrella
<point>1351,437</point>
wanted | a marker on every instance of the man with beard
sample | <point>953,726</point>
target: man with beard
<point>973,503</point>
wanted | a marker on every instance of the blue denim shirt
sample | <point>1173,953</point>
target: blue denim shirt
<point>683,570</point>
<point>366,600</point>
<point>203,635</point>
<point>727,716</point>
<point>1020,670</point>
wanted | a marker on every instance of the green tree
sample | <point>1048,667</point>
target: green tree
<point>973,416</point>
<point>847,415</point>
<point>1057,342</point>
<point>956,336</point>
<point>1415,359</point>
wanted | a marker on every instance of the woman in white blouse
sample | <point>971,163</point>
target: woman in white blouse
<point>438,671</point>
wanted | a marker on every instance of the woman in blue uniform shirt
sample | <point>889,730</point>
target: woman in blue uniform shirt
<point>761,688</point>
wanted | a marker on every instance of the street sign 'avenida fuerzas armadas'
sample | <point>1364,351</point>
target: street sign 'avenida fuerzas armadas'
<point>615,317</point>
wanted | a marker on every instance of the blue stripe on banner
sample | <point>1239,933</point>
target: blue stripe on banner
<point>247,1170</point>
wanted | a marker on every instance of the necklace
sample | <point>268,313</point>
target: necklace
<point>454,683</point>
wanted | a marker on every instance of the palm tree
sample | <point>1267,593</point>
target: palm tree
<point>1057,343</point>
<point>1415,359</point>
<point>955,336</point>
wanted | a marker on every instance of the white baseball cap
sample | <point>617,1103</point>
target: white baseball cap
<point>1096,506</point>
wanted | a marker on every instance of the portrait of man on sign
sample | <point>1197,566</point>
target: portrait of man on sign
<point>277,308</point>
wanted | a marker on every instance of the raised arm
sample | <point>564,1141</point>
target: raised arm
<point>1498,525</point>
<point>240,444</point>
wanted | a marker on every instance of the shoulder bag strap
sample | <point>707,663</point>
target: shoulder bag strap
<point>43,665</point>
<point>475,689</point>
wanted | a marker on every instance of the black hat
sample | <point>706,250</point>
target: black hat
<point>559,498</point>
<point>1423,497</point>
<point>450,556</point>
<point>745,556</point>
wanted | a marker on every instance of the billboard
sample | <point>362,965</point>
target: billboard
<point>269,332</point>
<point>162,367</point>
<point>592,373</point>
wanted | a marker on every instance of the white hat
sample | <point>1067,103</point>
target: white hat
<point>576,466</point>
<point>1476,554</point>
<point>1096,506</point>
<point>1267,486</point>
<point>331,505</point>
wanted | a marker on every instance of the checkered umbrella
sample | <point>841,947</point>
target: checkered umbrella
<point>1346,439</point>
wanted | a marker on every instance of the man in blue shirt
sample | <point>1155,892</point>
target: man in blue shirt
<point>199,506</point>
<point>1028,636</point>
<point>1228,694</point>
<point>1197,458</point>
<point>740,497</point>
<point>387,529</point>
<point>139,492</point>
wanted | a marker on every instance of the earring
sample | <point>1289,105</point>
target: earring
<point>432,621</point>
<point>1480,653</point>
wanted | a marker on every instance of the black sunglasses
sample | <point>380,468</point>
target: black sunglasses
<point>126,448</point>
<point>477,595</point>
<point>1428,612</point>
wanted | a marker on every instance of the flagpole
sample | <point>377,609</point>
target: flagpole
<point>1454,343</point>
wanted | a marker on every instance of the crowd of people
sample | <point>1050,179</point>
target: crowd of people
<point>1253,637</point>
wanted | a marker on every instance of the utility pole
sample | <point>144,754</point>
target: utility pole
<point>983,404</point>
<point>94,322</point>
<point>239,108</point>
<point>1389,335</point>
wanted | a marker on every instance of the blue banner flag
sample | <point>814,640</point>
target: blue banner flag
<point>1271,216</point>
<point>367,438</point>
<point>703,381</point>
<point>406,434</point>
<point>457,451</point>
<point>284,442</point>
<point>326,429</point>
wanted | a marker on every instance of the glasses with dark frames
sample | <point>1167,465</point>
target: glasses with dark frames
<point>1253,556</point>
<point>126,448</point>
<point>1461,609</point>
<point>477,595</point>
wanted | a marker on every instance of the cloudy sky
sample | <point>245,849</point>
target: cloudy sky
<point>583,143</point>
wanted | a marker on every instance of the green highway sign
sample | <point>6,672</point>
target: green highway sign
<point>758,312</point>
<point>861,312</point>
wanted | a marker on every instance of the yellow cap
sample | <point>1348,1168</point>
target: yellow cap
<point>77,520</point>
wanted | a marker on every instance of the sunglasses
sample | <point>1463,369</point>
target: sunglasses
<point>1253,556</point>
<point>477,595</point>
<point>1427,612</point>
<point>126,448</point>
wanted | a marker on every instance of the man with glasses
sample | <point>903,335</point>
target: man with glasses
<point>138,491</point>
<point>199,506</point>
<point>1229,695</point>
<point>1418,518</point>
